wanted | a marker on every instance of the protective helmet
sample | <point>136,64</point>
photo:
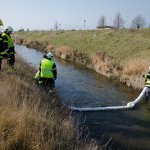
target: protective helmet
<point>49,55</point>
<point>9,29</point>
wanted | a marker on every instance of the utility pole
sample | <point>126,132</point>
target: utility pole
<point>84,24</point>
<point>60,26</point>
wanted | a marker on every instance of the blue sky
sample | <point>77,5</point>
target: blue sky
<point>70,14</point>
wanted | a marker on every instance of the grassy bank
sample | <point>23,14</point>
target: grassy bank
<point>119,44</point>
<point>32,119</point>
<point>123,54</point>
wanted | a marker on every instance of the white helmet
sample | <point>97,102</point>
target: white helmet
<point>49,55</point>
<point>9,29</point>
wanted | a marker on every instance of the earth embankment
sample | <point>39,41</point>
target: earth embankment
<point>121,54</point>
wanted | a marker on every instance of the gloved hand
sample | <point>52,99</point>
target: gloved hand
<point>6,53</point>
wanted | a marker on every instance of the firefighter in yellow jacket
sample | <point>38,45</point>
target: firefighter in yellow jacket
<point>1,48</point>
<point>47,73</point>
<point>147,84</point>
<point>9,47</point>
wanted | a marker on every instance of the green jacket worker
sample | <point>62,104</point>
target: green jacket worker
<point>9,47</point>
<point>47,73</point>
<point>147,78</point>
<point>1,48</point>
<point>147,84</point>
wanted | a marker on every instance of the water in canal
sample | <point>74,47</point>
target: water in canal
<point>81,87</point>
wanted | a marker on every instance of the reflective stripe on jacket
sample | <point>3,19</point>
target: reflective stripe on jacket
<point>10,41</point>
<point>147,82</point>
<point>46,68</point>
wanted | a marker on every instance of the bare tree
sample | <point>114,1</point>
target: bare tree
<point>56,26</point>
<point>118,21</point>
<point>102,21</point>
<point>138,22</point>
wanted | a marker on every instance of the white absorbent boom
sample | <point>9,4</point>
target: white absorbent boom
<point>129,105</point>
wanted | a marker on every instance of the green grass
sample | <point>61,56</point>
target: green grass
<point>120,44</point>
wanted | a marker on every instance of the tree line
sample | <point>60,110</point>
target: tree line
<point>118,22</point>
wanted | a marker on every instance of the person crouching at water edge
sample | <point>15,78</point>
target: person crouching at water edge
<point>147,84</point>
<point>47,73</point>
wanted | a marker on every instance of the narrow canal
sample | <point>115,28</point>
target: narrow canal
<point>81,87</point>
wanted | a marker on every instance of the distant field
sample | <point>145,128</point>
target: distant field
<point>121,44</point>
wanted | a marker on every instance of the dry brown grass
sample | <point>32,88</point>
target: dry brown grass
<point>31,119</point>
<point>34,44</point>
<point>64,52</point>
<point>103,64</point>
<point>135,67</point>
<point>49,48</point>
<point>133,71</point>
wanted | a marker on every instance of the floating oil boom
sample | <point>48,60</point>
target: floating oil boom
<point>129,105</point>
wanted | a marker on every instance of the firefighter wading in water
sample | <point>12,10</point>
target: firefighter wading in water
<point>9,49</point>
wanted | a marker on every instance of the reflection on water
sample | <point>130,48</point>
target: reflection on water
<point>81,87</point>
